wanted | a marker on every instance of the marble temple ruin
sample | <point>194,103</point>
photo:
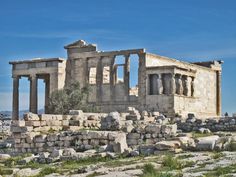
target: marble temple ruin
<point>166,85</point>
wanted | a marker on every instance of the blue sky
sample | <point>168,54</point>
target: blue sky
<point>191,30</point>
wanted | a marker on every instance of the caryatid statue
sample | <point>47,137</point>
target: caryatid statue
<point>159,85</point>
<point>172,84</point>
<point>179,85</point>
<point>192,87</point>
<point>154,84</point>
<point>187,86</point>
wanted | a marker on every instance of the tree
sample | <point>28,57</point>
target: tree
<point>72,97</point>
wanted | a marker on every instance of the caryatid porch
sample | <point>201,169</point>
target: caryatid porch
<point>51,70</point>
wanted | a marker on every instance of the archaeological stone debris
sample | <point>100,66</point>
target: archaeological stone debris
<point>166,85</point>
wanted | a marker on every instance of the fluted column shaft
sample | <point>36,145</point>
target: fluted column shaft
<point>15,99</point>
<point>33,94</point>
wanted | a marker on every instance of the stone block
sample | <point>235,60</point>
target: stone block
<point>65,122</point>
<point>169,129</point>
<point>133,136</point>
<point>4,156</point>
<point>31,116</point>
<point>76,112</point>
<point>40,138</point>
<point>132,117</point>
<point>67,143</point>
<point>74,128</point>
<point>74,122</point>
<point>167,145</point>
<point>53,122</point>
<point>17,141</point>
<point>50,144</point>
<point>112,136</point>
<point>43,123</point>
<point>16,129</point>
<point>103,142</point>
<point>153,128</point>
<point>206,143</point>
<point>120,144</point>
<point>34,123</point>
<point>18,123</point>
<point>42,129</point>
<point>111,122</point>
<point>69,152</point>
<point>94,142</point>
<point>48,117</point>
<point>25,145</point>
<point>52,137</point>
<point>56,153</point>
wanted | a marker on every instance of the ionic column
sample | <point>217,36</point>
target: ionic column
<point>112,80</point>
<point>15,98</point>
<point>99,79</point>
<point>126,75</point>
<point>33,94</point>
<point>47,94</point>
<point>218,94</point>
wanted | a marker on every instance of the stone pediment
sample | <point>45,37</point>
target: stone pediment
<point>79,44</point>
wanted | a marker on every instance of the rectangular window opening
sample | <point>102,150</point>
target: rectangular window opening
<point>106,75</point>
<point>92,75</point>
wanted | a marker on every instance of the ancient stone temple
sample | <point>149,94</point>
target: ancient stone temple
<point>164,84</point>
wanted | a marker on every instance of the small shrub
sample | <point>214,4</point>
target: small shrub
<point>172,163</point>
<point>217,155</point>
<point>150,171</point>
<point>219,171</point>
<point>232,146</point>
<point>5,171</point>
<point>72,97</point>
<point>46,171</point>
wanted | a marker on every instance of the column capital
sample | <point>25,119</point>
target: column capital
<point>16,76</point>
<point>127,56</point>
<point>33,76</point>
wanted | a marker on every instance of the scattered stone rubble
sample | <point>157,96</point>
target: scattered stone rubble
<point>81,135</point>
<point>213,124</point>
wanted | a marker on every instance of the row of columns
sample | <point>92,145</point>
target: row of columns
<point>113,78</point>
<point>171,84</point>
<point>33,101</point>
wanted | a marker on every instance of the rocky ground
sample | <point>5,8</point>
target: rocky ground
<point>147,145</point>
<point>186,164</point>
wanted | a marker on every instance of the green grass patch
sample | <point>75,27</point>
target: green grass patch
<point>13,160</point>
<point>122,162</point>
<point>150,171</point>
<point>34,165</point>
<point>217,155</point>
<point>218,171</point>
<point>200,135</point>
<point>46,171</point>
<point>5,171</point>
<point>95,174</point>
<point>172,163</point>
<point>232,146</point>
<point>75,164</point>
<point>185,156</point>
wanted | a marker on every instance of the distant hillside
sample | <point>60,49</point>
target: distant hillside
<point>7,114</point>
